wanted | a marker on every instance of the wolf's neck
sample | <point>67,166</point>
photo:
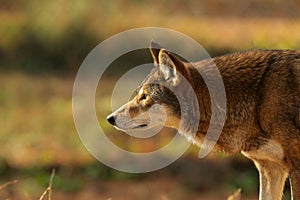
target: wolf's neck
<point>201,90</point>
<point>207,84</point>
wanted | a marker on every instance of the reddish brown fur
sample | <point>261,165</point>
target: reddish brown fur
<point>263,104</point>
<point>263,108</point>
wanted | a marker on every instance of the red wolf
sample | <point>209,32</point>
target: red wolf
<point>262,109</point>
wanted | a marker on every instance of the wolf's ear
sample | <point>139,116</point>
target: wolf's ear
<point>154,49</point>
<point>170,66</point>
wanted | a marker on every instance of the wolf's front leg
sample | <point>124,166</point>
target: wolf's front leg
<point>294,155</point>
<point>295,183</point>
<point>263,184</point>
<point>272,179</point>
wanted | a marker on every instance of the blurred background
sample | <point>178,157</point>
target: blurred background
<point>43,43</point>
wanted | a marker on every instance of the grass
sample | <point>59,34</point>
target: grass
<point>48,190</point>
<point>36,121</point>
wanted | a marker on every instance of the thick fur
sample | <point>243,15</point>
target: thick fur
<point>263,109</point>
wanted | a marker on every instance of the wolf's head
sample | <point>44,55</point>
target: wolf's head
<point>159,98</point>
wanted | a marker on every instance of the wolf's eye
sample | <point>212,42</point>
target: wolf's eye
<point>143,97</point>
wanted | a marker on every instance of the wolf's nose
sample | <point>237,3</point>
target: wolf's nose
<point>111,119</point>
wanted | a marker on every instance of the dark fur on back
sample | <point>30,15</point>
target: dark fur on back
<point>262,91</point>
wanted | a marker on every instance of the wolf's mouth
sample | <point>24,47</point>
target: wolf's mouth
<point>140,126</point>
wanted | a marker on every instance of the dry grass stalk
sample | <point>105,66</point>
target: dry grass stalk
<point>48,190</point>
<point>7,184</point>
<point>236,195</point>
